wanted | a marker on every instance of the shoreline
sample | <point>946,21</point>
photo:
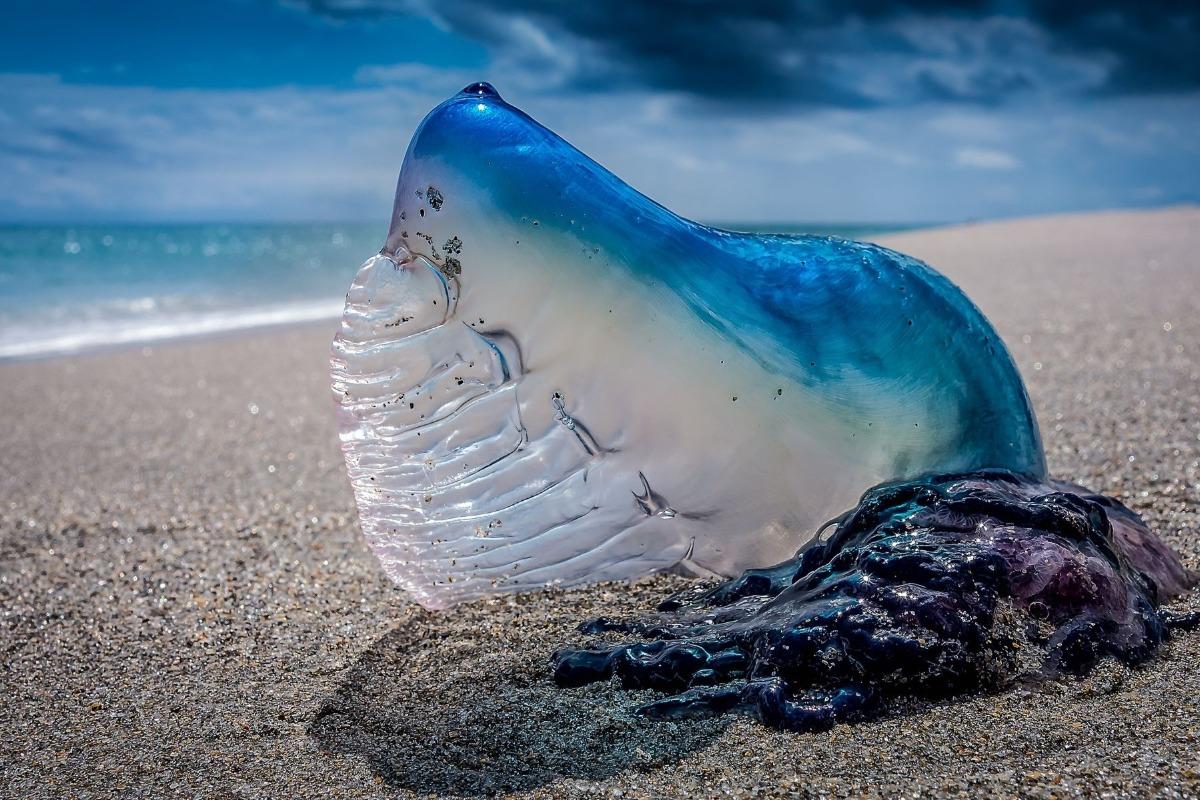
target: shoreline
<point>118,337</point>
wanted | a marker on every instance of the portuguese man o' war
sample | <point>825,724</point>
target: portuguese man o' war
<point>545,378</point>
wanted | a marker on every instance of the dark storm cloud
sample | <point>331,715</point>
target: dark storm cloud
<point>828,53</point>
<point>1154,46</point>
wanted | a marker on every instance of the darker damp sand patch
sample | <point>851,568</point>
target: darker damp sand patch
<point>463,703</point>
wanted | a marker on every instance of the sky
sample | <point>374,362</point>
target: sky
<point>851,111</point>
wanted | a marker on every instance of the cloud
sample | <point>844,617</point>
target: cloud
<point>782,54</point>
<point>133,152</point>
<point>77,153</point>
<point>431,79</point>
<point>983,158</point>
<point>1150,45</point>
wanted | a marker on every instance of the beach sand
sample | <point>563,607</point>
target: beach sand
<point>189,610</point>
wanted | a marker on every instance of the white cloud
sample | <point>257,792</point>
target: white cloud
<point>985,158</point>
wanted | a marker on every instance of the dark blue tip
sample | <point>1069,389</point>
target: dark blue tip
<point>481,89</point>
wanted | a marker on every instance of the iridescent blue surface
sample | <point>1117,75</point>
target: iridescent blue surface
<point>862,326</point>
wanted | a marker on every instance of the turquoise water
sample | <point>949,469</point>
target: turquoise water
<point>66,289</point>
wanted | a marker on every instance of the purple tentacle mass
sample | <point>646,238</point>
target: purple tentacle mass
<point>931,587</point>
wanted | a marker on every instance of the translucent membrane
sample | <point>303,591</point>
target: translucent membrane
<point>456,497</point>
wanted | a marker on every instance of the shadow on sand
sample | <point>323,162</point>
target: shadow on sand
<point>463,704</point>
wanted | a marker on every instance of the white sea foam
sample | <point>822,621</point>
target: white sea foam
<point>25,341</point>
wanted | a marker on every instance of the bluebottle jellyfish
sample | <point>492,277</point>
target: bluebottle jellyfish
<point>546,378</point>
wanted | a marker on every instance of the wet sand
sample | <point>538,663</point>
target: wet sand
<point>188,609</point>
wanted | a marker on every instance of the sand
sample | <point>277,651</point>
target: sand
<point>189,611</point>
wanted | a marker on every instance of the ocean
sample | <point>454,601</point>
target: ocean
<point>67,289</point>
